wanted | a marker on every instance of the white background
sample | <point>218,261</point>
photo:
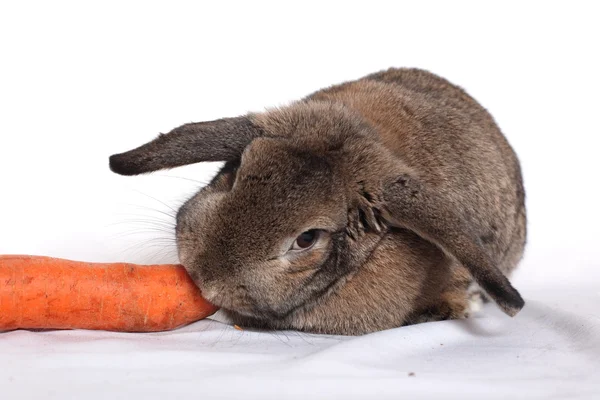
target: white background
<point>80,81</point>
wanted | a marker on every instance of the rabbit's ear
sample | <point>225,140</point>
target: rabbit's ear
<point>407,203</point>
<point>220,140</point>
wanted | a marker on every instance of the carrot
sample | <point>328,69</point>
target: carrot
<point>51,293</point>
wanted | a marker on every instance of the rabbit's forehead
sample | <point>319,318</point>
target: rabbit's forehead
<point>276,198</point>
<point>279,202</point>
<point>268,161</point>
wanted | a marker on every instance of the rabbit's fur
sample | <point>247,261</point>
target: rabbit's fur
<point>416,193</point>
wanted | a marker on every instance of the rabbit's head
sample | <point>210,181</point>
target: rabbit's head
<point>284,220</point>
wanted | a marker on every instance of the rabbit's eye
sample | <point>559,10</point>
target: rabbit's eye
<point>306,240</point>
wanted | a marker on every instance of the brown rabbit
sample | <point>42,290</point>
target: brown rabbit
<point>365,206</point>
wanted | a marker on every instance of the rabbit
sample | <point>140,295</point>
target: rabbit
<point>386,201</point>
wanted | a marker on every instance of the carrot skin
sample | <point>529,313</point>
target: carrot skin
<point>50,293</point>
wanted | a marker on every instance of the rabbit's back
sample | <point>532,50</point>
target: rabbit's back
<point>454,145</point>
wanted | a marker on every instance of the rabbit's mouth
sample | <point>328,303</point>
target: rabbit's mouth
<point>229,298</point>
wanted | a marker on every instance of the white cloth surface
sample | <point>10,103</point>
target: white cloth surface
<point>550,350</point>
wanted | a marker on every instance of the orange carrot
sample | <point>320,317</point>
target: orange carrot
<point>51,293</point>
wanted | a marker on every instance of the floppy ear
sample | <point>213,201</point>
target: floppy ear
<point>407,203</point>
<point>219,140</point>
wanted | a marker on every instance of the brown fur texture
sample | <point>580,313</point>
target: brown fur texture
<point>415,194</point>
